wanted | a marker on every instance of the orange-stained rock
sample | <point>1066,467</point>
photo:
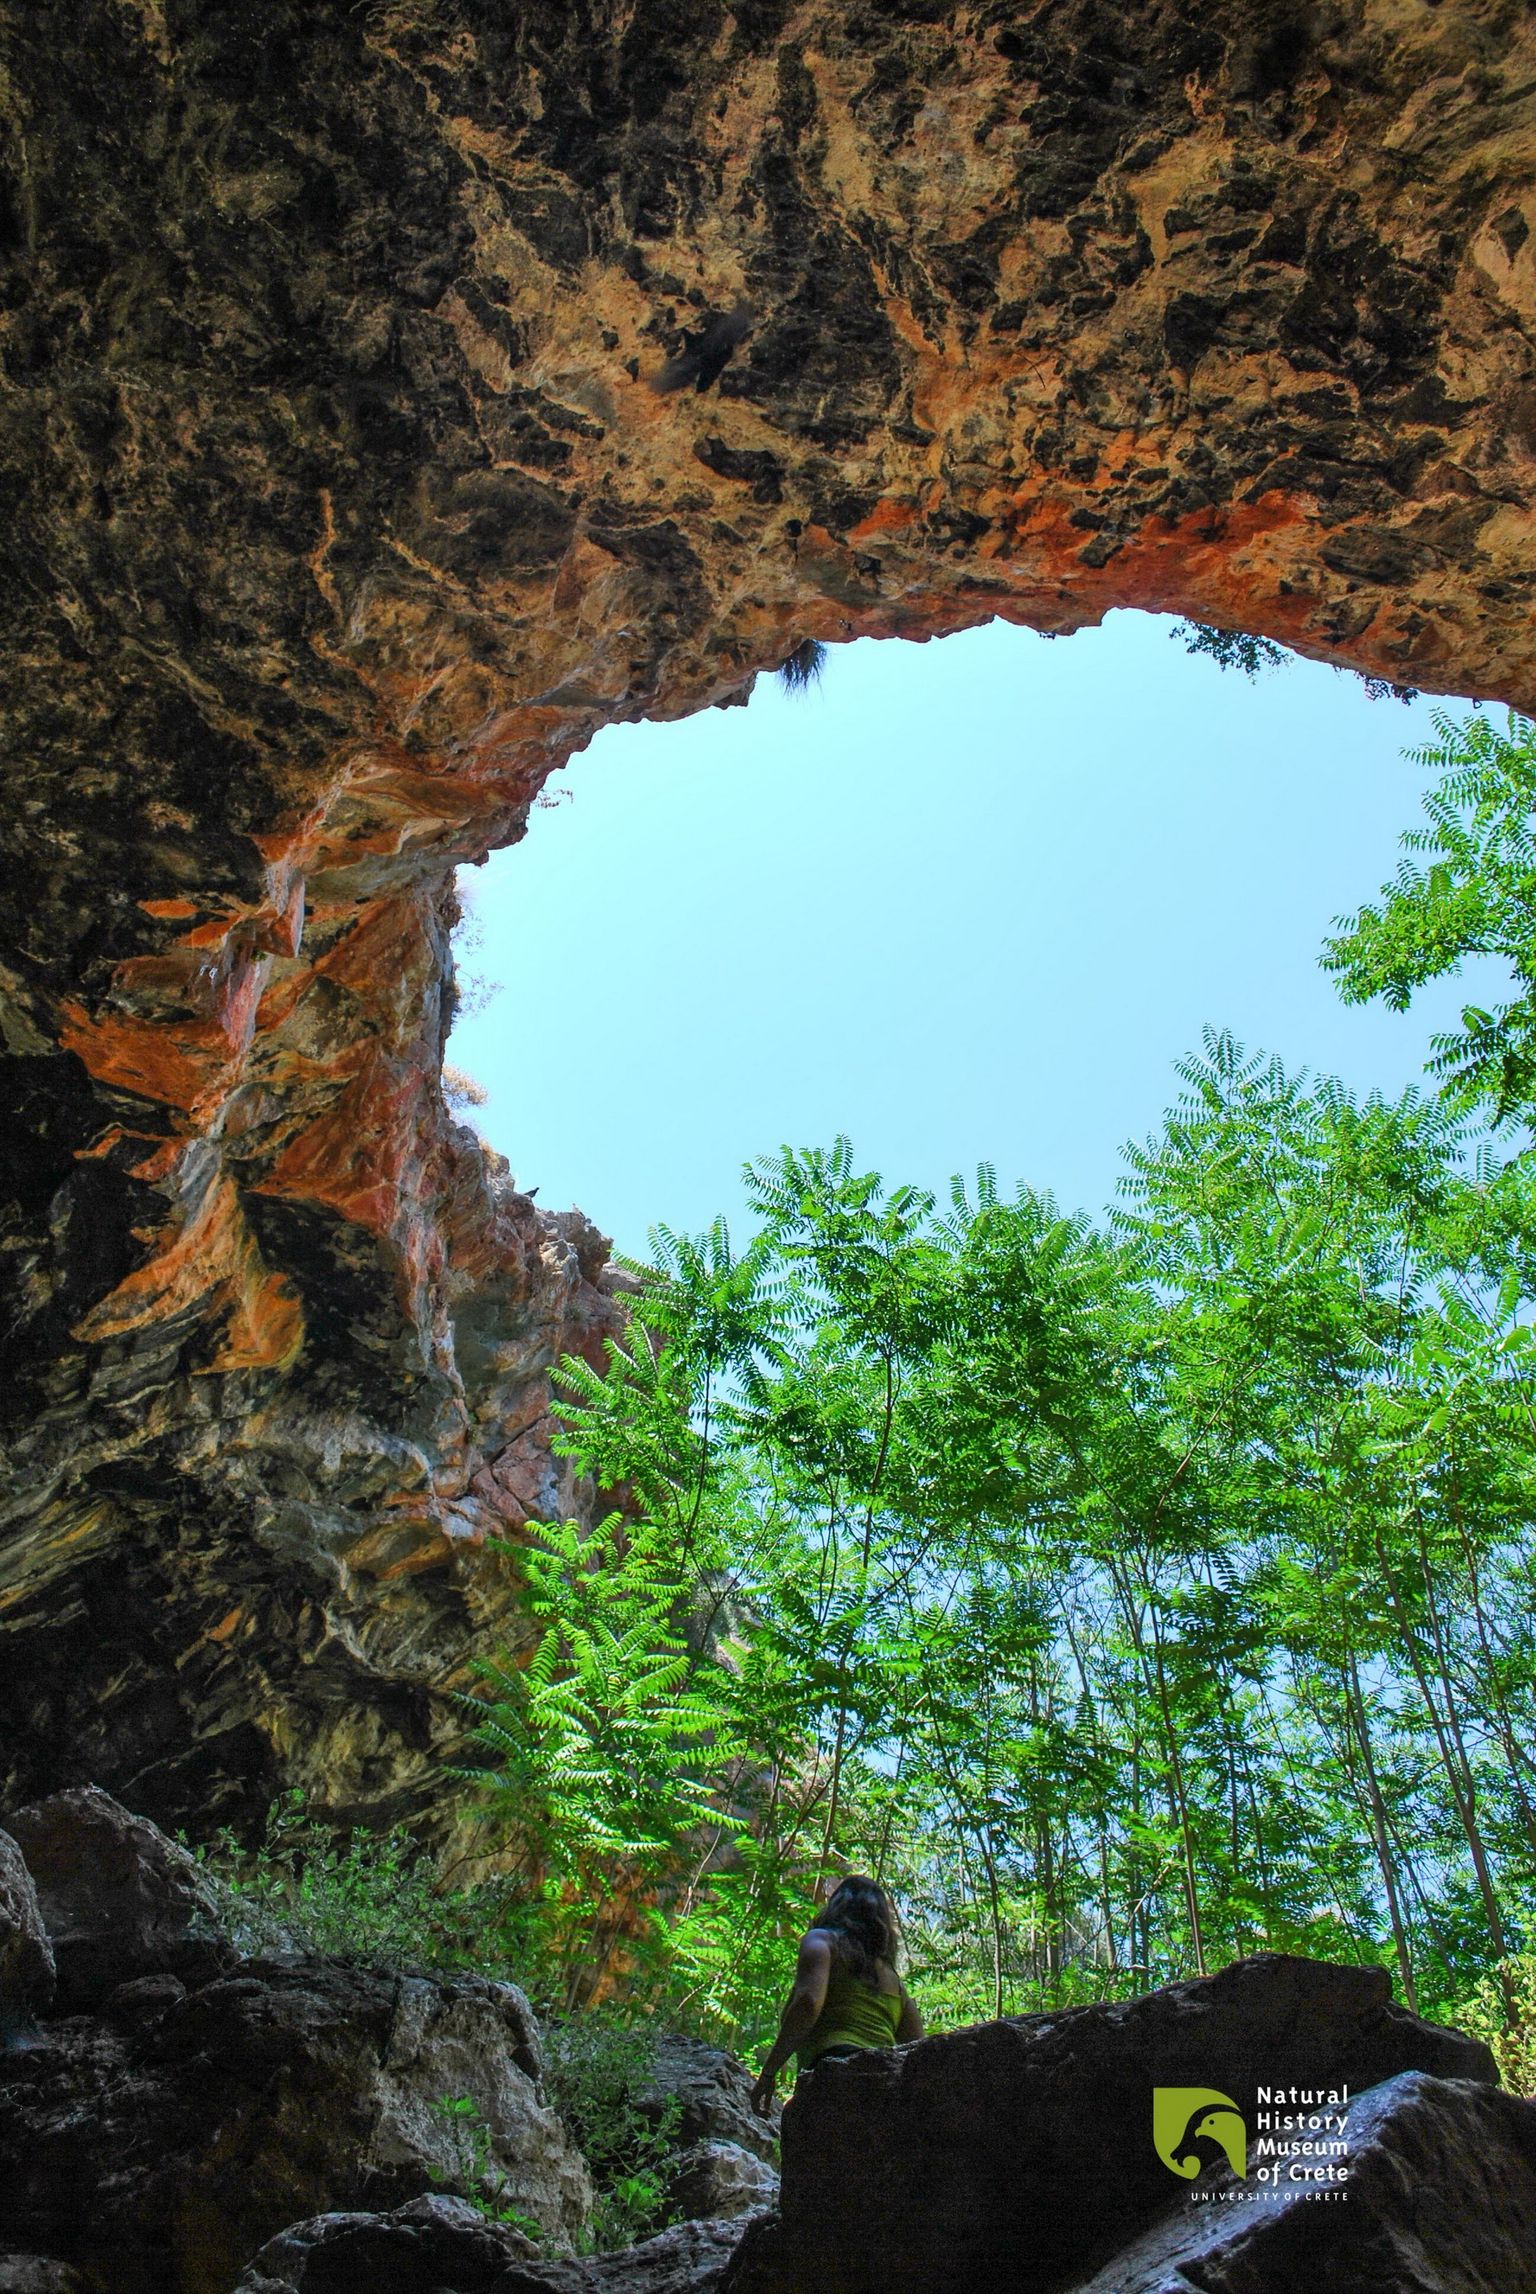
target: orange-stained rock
<point>342,505</point>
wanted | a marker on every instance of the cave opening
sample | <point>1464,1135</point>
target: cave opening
<point>1047,1466</point>
<point>967,901</point>
<point>397,395</point>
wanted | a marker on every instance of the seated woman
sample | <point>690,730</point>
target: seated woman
<point>847,1994</point>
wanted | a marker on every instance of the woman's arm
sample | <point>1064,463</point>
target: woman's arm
<point>804,2005</point>
<point>910,2024</point>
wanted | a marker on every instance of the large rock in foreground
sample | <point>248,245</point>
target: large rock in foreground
<point>1441,2196</point>
<point>939,2166</point>
<point>27,1972</point>
<point>117,1898</point>
<point>157,2147</point>
<point>437,2244</point>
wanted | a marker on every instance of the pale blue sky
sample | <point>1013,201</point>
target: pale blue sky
<point>966,901</point>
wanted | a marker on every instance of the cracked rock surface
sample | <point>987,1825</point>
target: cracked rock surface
<point>156,2144</point>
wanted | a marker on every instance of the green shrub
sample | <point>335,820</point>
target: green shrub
<point>490,2186</point>
<point>598,2068</point>
<point>1500,2010</point>
<point>358,1895</point>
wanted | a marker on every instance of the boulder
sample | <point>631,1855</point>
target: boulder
<point>36,2274</point>
<point>118,1899</point>
<point>719,2180</point>
<point>438,2243</point>
<point>144,2000</point>
<point>690,2258</point>
<point>940,2164</point>
<point>714,2091</point>
<point>432,2242</point>
<point>157,2151</point>
<point>27,1971</point>
<point>1441,2195</point>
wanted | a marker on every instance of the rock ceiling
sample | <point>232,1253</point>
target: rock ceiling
<point>395,392</point>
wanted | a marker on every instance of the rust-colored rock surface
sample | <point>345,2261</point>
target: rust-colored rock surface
<point>394,391</point>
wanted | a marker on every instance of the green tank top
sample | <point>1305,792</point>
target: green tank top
<point>854,2014</point>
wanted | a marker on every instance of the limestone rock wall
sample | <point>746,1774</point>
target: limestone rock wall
<point>187,2098</point>
<point>394,391</point>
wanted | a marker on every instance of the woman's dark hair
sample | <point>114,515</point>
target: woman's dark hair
<point>858,1915</point>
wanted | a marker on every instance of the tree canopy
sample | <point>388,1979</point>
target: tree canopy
<point>1129,1594</point>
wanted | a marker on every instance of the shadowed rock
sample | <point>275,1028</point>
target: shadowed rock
<point>713,2093</point>
<point>1441,2199</point>
<point>439,2243</point>
<point>940,2165</point>
<point>27,1968</point>
<point>719,2180</point>
<point>157,2148</point>
<point>118,1899</point>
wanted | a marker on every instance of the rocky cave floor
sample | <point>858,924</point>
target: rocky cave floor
<point>182,2114</point>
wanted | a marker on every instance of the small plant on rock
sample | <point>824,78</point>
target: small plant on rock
<point>598,2069</point>
<point>802,669</point>
<point>489,2185</point>
<point>358,1895</point>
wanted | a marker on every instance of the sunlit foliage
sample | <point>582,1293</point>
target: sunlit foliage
<point>1129,1596</point>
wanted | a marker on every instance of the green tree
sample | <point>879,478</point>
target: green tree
<point>1129,1596</point>
<point>1472,894</point>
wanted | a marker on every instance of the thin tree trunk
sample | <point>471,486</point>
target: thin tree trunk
<point>1463,1789</point>
<point>1503,1720</point>
<point>1361,1726</point>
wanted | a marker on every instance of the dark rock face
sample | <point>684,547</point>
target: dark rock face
<point>27,1967</point>
<point>340,508</point>
<point>34,2274</point>
<point>713,2091</point>
<point>1441,2196</point>
<point>440,2243</point>
<point>717,2180</point>
<point>319,2128</point>
<point>156,2148</point>
<point>430,2243</point>
<point>191,2102</point>
<point>118,1900</point>
<point>939,2166</point>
